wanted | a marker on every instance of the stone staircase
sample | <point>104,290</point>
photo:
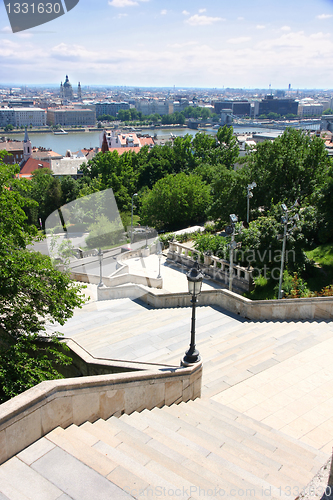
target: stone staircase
<point>198,449</point>
<point>189,451</point>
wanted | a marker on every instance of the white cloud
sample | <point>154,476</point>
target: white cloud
<point>24,35</point>
<point>65,51</point>
<point>125,3</point>
<point>164,12</point>
<point>201,11</point>
<point>281,57</point>
<point>240,18</point>
<point>285,28</point>
<point>320,36</point>
<point>7,29</point>
<point>182,45</point>
<point>260,27</point>
<point>122,3</point>
<point>197,20</point>
<point>324,16</point>
<point>240,39</point>
<point>186,13</point>
<point>121,15</point>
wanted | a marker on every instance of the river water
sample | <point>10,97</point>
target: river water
<point>79,140</point>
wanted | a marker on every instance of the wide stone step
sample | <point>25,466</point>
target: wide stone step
<point>159,464</point>
<point>216,440</point>
<point>240,438</point>
<point>194,456</point>
<point>226,475</point>
<point>127,471</point>
<point>297,449</point>
<point>217,460</point>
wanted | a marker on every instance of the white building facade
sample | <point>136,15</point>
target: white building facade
<point>22,117</point>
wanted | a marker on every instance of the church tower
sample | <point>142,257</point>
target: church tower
<point>105,146</point>
<point>26,146</point>
<point>79,92</point>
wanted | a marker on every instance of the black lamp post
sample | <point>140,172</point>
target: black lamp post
<point>100,257</point>
<point>194,278</point>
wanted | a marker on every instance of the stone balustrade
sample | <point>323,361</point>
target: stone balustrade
<point>212,266</point>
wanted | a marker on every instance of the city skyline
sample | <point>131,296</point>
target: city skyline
<point>200,44</point>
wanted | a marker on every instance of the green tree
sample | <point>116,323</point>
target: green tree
<point>204,146</point>
<point>291,167</point>
<point>183,158</point>
<point>32,293</point>
<point>227,147</point>
<point>116,172</point>
<point>69,189</point>
<point>324,206</point>
<point>175,201</point>
<point>228,191</point>
<point>154,164</point>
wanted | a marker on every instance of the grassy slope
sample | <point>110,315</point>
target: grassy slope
<point>319,275</point>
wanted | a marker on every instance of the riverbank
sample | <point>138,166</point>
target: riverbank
<point>309,124</point>
<point>90,129</point>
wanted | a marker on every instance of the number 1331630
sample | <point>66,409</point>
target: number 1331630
<point>33,8</point>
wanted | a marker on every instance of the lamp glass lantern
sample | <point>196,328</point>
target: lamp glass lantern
<point>194,282</point>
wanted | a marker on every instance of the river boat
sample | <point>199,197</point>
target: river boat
<point>60,132</point>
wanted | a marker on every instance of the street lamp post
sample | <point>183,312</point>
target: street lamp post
<point>100,256</point>
<point>194,278</point>
<point>285,220</point>
<point>232,247</point>
<point>249,195</point>
<point>159,255</point>
<point>135,194</point>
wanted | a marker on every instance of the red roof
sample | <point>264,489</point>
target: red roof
<point>121,151</point>
<point>31,165</point>
<point>149,141</point>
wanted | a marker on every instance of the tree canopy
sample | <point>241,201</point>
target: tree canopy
<point>175,201</point>
<point>32,292</point>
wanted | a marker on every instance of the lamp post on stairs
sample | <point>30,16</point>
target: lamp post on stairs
<point>194,278</point>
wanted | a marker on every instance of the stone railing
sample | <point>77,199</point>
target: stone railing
<point>314,308</point>
<point>117,279</point>
<point>31,415</point>
<point>121,276</point>
<point>214,267</point>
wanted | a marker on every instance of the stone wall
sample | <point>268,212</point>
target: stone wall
<point>31,415</point>
<point>315,308</point>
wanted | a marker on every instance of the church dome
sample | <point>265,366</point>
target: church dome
<point>67,82</point>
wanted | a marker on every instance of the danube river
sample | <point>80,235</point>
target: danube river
<point>79,140</point>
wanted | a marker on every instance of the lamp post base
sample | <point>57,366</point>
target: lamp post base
<point>191,357</point>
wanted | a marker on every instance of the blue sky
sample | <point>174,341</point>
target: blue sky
<point>186,43</point>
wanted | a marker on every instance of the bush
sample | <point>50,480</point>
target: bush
<point>165,238</point>
<point>105,233</point>
<point>293,286</point>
